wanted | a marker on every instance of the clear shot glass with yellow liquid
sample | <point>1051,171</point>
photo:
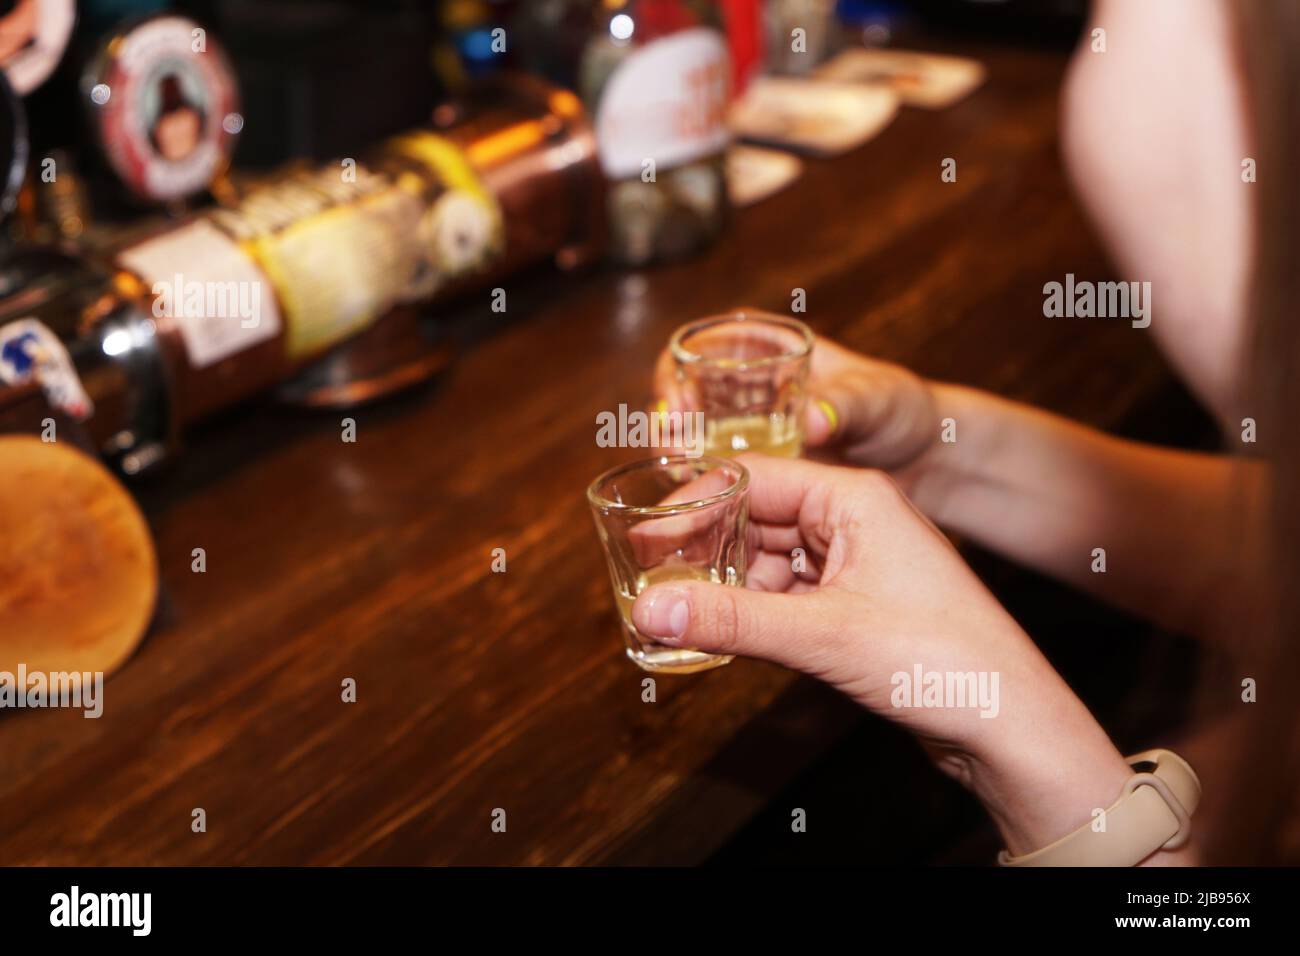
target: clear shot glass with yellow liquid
<point>747,371</point>
<point>668,519</point>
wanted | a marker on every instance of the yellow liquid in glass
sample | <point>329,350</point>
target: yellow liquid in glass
<point>646,652</point>
<point>769,434</point>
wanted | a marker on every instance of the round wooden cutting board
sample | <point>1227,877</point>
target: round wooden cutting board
<point>78,573</point>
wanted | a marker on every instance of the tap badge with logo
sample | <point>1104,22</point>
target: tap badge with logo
<point>30,352</point>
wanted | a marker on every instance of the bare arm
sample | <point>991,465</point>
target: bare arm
<point>1048,492</point>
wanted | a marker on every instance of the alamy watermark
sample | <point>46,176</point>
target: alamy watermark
<point>182,298</point>
<point>638,429</point>
<point>133,911</point>
<point>1100,300</point>
<point>39,689</point>
<point>946,690</point>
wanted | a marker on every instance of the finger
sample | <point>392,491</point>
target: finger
<point>669,399</point>
<point>821,420</point>
<point>684,534</point>
<point>780,574</point>
<point>822,417</point>
<point>777,538</point>
<point>791,629</point>
<point>786,496</point>
<point>846,408</point>
<point>788,491</point>
<point>770,572</point>
<point>873,408</point>
<point>668,392</point>
<point>790,546</point>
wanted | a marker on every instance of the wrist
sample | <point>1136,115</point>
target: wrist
<point>1046,770</point>
<point>964,433</point>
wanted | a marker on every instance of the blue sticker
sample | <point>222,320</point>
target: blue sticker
<point>29,351</point>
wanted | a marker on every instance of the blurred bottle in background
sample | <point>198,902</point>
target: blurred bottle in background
<point>317,271</point>
<point>794,52</point>
<point>746,42</point>
<point>655,75</point>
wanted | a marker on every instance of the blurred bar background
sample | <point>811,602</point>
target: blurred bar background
<point>472,380</point>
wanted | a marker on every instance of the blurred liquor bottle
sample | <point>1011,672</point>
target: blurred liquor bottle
<point>818,30</point>
<point>312,268</point>
<point>656,75</point>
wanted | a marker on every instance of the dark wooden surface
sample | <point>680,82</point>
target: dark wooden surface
<point>479,690</point>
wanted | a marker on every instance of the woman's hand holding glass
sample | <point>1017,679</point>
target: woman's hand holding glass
<point>868,412</point>
<point>850,583</point>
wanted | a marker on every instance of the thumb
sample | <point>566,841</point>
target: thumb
<point>884,416</point>
<point>724,619</point>
<point>833,413</point>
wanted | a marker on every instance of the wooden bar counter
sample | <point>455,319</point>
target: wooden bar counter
<point>479,691</point>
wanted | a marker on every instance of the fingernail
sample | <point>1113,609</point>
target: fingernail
<point>660,411</point>
<point>829,411</point>
<point>663,615</point>
<point>678,617</point>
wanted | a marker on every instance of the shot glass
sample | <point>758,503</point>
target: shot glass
<point>667,519</point>
<point>747,371</point>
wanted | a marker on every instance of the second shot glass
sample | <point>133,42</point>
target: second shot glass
<point>668,519</point>
<point>747,371</point>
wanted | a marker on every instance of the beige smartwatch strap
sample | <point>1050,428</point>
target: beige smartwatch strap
<point>1153,813</point>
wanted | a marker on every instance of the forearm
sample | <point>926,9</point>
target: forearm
<point>1047,767</point>
<point>1046,792</point>
<point>1048,493</point>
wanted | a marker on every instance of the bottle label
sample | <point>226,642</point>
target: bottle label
<point>666,102</point>
<point>220,300</point>
<point>322,253</point>
<point>334,252</point>
<point>342,247</point>
<point>29,352</point>
<point>463,230</point>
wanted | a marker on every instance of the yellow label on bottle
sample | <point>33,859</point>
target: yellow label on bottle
<point>343,246</point>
